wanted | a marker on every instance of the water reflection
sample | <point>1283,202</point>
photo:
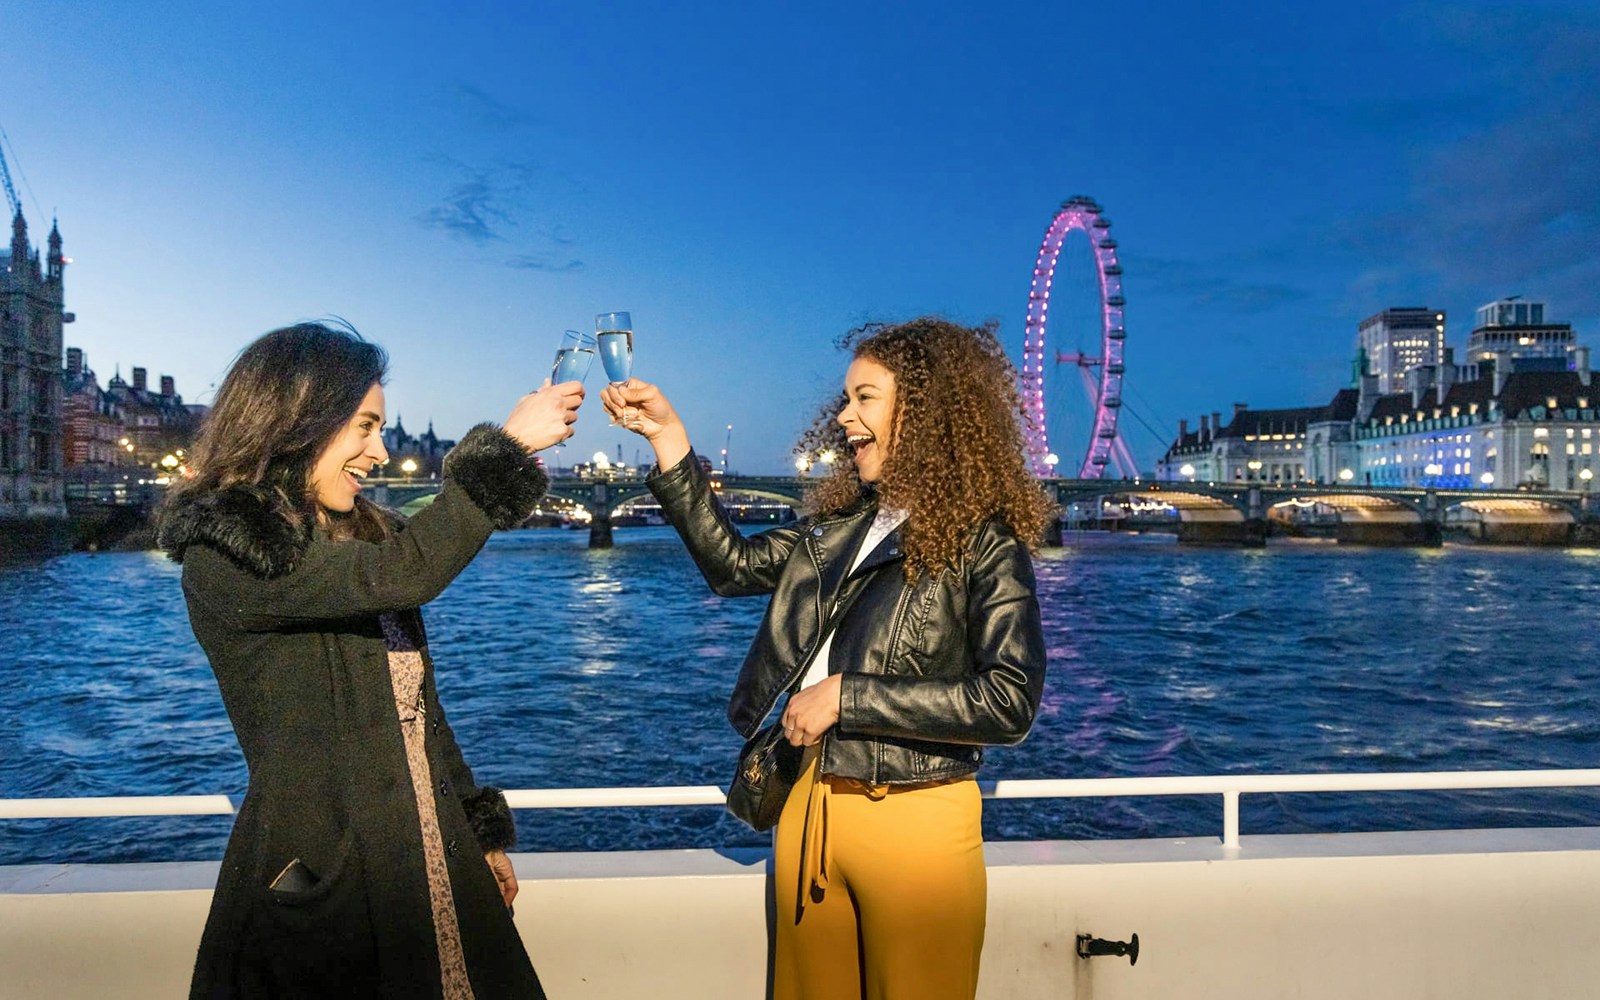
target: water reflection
<point>560,666</point>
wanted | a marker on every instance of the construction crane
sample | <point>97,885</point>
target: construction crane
<point>11,192</point>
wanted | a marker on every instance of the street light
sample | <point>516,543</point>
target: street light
<point>1585,475</point>
<point>1254,465</point>
<point>1052,460</point>
<point>827,457</point>
<point>1487,479</point>
<point>1345,475</point>
<point>1187,470</point>
<point>802,462</point>
<point>409,466</point>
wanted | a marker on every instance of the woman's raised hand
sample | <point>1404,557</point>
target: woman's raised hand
<point>638,406</point>
<point>541,419</point>
<point>645,410</point>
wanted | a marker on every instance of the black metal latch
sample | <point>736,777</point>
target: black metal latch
<point>1090,947</point>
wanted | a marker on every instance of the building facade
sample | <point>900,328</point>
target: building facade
<point>1513,328</point>
<point>1497,425</point>
<point>1399,339</point>
<point>1516,424</point>
<point>426,450</point>
<point>92,436</point>
<point>155,423</point>
<point>1302,444</point>
<point>31,319</point>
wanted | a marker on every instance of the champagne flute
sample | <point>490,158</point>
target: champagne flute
<point>573,358</point>
<point>614,331</point>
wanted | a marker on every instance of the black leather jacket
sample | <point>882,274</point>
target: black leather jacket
<point>932,669</point>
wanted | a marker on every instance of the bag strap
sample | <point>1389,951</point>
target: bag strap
<point>853,589</point>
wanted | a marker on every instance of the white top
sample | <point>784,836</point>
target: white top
<point>886,521</point>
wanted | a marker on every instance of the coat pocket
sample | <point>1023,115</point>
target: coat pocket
<point>313,938</point>
<point>312,894</point>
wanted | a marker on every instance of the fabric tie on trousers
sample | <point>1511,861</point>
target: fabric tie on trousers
<point>816,850</point>
<point>814,854</point>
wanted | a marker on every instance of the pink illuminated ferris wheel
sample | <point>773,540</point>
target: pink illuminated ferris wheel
<point>1102,375</point>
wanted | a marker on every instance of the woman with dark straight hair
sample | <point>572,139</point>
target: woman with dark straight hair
<point>903,630</point>
<point>366,860</point>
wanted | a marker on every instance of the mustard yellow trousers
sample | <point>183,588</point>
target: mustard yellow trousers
<point>881,890</point>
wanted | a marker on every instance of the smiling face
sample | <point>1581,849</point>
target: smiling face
<point>350,456</point>
<point>868,415</point>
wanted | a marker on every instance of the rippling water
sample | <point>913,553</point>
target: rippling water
<point>564,667</point>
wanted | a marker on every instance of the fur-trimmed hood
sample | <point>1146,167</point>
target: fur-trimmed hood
<point>248,524</point>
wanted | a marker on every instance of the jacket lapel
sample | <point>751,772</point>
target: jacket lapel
<point>887,551</point>
<point>833,546</point>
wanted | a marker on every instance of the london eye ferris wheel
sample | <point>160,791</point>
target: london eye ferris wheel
<point>1101,374</point>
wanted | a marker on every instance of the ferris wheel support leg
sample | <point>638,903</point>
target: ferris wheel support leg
<point>1124,458</point>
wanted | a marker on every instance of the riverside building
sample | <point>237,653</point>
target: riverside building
<point>1520,413</point>
<point>1267,446</point>
<point>1399,339</point>
<point>31,318</point>
<point>92,435</point>
<point>1513,328</point>
<point>1498,424</point>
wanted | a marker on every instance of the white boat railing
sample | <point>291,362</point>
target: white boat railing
<point>1230,787</point>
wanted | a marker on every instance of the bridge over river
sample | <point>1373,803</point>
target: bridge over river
<point>1228,513</point>
<point>1220,513</point>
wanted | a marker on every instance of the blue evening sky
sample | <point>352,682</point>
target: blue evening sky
<point>463,181</point>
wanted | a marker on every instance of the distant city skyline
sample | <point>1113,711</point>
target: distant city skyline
<point>462,186</point>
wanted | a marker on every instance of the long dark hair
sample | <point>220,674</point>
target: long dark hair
<point>957,454</point>
<point>283,401</point>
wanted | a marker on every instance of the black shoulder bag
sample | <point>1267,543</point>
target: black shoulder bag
<point>769,765</point>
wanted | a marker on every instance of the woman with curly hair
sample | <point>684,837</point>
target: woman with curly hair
<point>904,628</point>
<point>366,861</point>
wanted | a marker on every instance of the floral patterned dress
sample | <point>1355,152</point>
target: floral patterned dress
<point>405,672</point>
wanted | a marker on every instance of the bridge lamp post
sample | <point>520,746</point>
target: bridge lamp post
<point>1187,471</point>
<point>1254,465</point>
<point>827,457</point>
<point>409,466</point>
<point>1487,479</point>
<point>1052,460</point>
<point>802,463</point>
<point>1345,475</point>
<point>1584,475</point>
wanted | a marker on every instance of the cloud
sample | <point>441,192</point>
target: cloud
<point>1206,286</point>
<point>471,212</point>
<point>485,111</point>
<point>491,208</point>
<point>1510,203</point>
<point>530,262</point>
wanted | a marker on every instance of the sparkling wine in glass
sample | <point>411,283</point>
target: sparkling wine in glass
<point>573,358</point>
<point>614,331</point>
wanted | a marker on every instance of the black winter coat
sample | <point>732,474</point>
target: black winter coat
<point>932,669</point>
<point>289,621</point>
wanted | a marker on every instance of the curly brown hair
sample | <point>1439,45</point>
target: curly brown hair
<point>956,458</point>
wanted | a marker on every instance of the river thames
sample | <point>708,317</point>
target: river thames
<point>565,667</point>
